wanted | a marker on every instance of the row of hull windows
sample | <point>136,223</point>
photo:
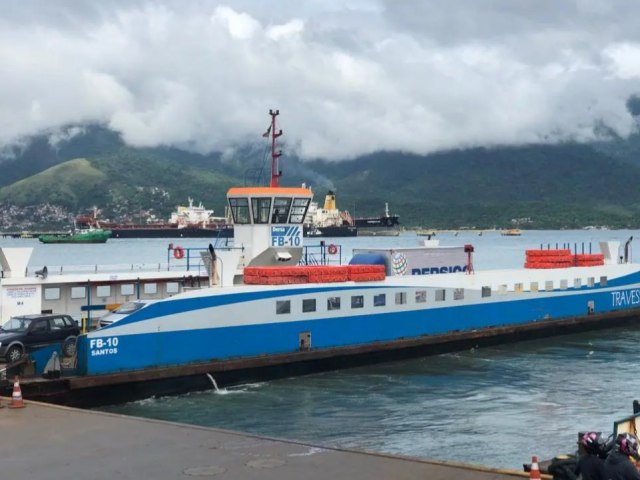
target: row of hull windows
<point>105,291</point>
<point>355,302</point>
<point>265,210</point>
<point>547,286</point>
<point>420,296</point>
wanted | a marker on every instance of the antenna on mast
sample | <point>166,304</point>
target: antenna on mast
<point>275,173</point>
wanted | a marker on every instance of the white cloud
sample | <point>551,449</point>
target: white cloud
<point>349,77</point>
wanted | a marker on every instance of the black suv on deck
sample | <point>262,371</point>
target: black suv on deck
<point>27,332</point>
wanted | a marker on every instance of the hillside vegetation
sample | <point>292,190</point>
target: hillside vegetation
<point>535,186</point>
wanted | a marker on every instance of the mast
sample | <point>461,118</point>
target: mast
<point>275,173</point>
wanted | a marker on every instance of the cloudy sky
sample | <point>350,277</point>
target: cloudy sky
<point>349,76</point>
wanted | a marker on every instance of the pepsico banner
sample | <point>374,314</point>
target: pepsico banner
<point>421,261</point>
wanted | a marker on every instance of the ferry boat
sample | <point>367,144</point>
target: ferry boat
<point>270,311</point>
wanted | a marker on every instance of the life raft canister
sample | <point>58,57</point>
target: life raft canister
<point>178,253</point>
<point>332,249</point>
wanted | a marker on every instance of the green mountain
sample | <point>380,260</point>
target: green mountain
<point>123,185</point>
<point>534,186</point>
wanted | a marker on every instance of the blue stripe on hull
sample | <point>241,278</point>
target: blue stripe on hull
<point>134,352</point>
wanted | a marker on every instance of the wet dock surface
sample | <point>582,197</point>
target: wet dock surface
<point>47,442</point>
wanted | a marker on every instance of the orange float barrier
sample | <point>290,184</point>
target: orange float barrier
<point>565,264</point>
<point>561,259</point>
<point>313,274</point>
<point>559,252</point>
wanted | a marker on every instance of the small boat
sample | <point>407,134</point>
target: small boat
<point>512,232</point>
<point>426,233</point>
<point>89,235</point>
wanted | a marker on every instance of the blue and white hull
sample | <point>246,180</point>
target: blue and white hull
<point>222,324</point>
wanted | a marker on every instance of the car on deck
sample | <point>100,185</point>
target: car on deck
<point>24,333</point>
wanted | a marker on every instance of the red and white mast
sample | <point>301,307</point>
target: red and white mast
<point>275,173</point>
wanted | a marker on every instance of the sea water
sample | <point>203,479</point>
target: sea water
<point>492,406</point>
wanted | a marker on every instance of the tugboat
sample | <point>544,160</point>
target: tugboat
<point>89,235</point>
<point>328,221</point>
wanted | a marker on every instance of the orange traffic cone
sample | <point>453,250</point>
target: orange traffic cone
<point>16,397</point>
<point>534,473</point>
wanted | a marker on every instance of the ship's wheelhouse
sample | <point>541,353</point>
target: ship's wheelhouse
<point>268,205</point>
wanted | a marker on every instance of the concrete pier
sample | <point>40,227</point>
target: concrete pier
<point>48,442</point>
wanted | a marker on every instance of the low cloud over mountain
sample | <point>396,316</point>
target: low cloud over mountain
<point>350,77</point>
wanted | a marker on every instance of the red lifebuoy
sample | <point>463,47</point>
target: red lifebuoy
<point>332,249</point>
<point>178,253</point>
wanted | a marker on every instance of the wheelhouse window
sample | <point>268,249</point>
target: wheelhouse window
<point>401,298</point>
<point>260,208</point>
<point>281,206</point>
<point>239,210</point>
<point>299,209</point>
<point>421,296</point>
<point>440,295</point>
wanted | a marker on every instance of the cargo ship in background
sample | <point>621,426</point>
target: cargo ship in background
<point>186,222</point>
<point>384,225</point>
<point>328,221</point>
